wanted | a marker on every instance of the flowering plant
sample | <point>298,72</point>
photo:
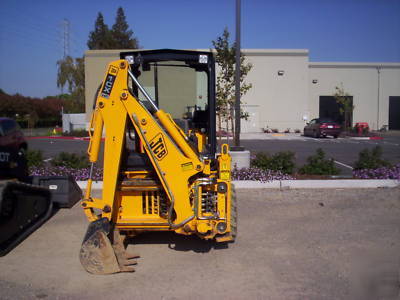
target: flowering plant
<point>78,174</point>
<point>258,174</point>
<point>378,173</point>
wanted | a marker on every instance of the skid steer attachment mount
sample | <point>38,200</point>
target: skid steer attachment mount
<point>26,202</point>
<point>161,170</point>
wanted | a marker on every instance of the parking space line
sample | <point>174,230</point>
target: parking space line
<point>342,164</point>
<point>389,143</point>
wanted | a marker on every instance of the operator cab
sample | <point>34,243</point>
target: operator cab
<point>181,83</point>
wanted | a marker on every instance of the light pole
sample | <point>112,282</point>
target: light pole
<point>237,78</point>
<point>378,69</point>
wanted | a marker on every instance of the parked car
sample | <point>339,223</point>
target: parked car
<point>13,147</point>
<point>11,135</point>
<point>322,127</point>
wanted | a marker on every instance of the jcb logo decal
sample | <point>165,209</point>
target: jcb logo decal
<point>158,147</point>
<point>109,83</point>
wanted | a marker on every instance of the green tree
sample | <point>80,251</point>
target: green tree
<point>71,73</point>
<point>225,85</point>
<point>100,37</point>
<point>122,36</point>
<point>346,106</point>
<point>119,37</point>
<point>29,112</point>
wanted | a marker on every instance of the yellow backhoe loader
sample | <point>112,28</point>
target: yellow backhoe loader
<point>162,171</point>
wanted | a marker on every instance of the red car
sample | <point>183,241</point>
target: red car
<point>11,135</point>
<point>322,127</point>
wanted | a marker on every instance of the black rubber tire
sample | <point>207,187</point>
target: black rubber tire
<point>234,213</point>
<point>335,136</point>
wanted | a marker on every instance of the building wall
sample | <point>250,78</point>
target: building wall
<point>360,81</point>
<point>72,122</point>
<point>277,101</point>
<point>96,62</point>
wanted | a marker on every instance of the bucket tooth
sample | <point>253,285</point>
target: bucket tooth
<point>126,260</point>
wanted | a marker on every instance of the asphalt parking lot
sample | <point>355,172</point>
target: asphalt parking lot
<point>292,244</point>
<point>343,150</point>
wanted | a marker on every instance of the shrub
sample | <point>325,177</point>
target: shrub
<point>70,160</point>
<point>51,132</point>
<point>34,158</point>
<point>275,130</point>
<point>317,164</point>
<point>371,159</point>
<point>77,133</point>
<point>281,161</point>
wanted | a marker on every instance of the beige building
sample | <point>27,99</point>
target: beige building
<point>289,90</point>
<point>375,88</point>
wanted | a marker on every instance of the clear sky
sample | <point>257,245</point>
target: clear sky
<point>333,30</point>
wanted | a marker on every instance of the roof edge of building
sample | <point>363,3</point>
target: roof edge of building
<point>354,65</point>
<point>276,52</point>
<point>103,53</point>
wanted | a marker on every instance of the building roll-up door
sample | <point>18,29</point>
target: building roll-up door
<point>394,113</point>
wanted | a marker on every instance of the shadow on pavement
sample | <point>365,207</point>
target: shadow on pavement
<point>177,242</point>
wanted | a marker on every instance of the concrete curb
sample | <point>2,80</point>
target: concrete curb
<point>297,136</point>
<point>58,138</point>
<point>319,184</point>
<point>298,184</point>
<point>365,138</point>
